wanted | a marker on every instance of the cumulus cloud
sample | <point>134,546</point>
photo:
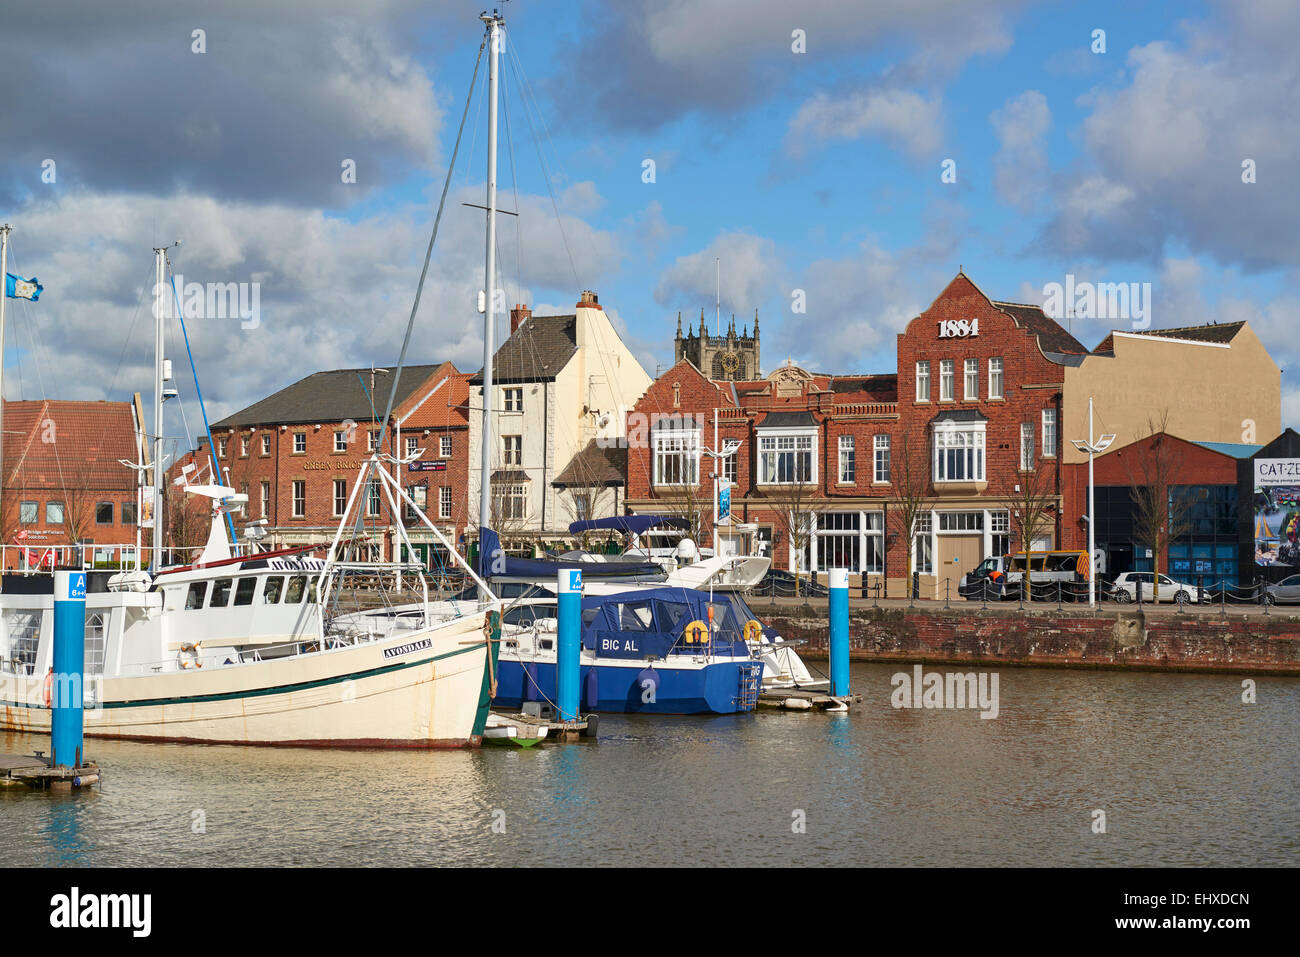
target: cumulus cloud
<point>659,60</point>
<point>1020,168</point>
<point>904,118</point>
<point>751,273</point>
<point>333,292</point>
<point>117,97</point>
<point>1164,152</point>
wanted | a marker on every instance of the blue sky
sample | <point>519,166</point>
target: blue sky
<point>816,171</point>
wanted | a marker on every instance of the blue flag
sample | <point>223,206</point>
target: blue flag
<point>19,288</point>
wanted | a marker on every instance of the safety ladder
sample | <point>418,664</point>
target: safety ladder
<point>751,674</point>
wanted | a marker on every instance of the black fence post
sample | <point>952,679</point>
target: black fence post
<point>1263,595</point>
<point>1223,598</point>
<point>1058,594</point>
<point>914,589</point>
<point>1138,585</point>
<point>947,589</point>
<point>875,602</point>
<point>984,592</point>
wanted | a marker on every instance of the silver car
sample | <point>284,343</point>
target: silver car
<point>1124,588</point>
<point>1285,592</point>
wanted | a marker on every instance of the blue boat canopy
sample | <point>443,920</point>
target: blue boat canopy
<point>495,563</point>
<point>629,524</point>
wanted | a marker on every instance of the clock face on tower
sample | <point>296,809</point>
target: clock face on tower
<point>730,362</point>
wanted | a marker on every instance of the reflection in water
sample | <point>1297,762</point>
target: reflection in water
<point>1186,773</point>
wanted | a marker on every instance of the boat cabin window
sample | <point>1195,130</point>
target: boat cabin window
<point>244,591</point>
<point>220,593</point>
<point>273,589</point>
<point>723,618</point>
<point>526,614</point>
<point>588,616</point>
<point>198,591</point>
<point>633,615</point>
<point>673,615</point>
<point>297,585</point>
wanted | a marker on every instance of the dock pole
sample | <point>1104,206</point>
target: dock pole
<point>66,719</point>
<point>839,600</point>
<point>569,627</point>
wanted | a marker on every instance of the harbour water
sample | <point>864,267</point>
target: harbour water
<point>1186,773</point>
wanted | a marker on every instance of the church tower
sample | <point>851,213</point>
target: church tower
<point>731,356</point>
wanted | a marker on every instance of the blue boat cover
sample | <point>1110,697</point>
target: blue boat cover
<point>629,524</point>
<point>493,562</point>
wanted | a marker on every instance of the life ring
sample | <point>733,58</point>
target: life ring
<point>753,630</point>
<point>696,632</point>
<point>49,684</point>
<point>191,650</point>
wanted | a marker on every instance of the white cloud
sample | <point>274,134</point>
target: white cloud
<point>751,270</point>
<point>904,118</point>
<point>1020,167</point>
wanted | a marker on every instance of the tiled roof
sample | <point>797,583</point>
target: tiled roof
<point>1221,332</point>
<point>446,408</point>
<point>873,388</point>
<point>69,445</point>
<point>594,466</point>
<point>329,397</point>
<point>788,420</point>
<point>535,352</point>
<point>1052,336</point>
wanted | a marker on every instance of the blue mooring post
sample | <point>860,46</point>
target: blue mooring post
<point>569,626</point>
<point>66,721</point>
<point>839,587</point>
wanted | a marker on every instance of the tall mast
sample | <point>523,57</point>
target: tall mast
<point>495,25</point>
<point>159,310</point>
<point>4,294</point>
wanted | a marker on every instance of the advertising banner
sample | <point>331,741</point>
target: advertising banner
<point>146,506</point>
<point>1277,512</point>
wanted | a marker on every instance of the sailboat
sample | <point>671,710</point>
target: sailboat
<point>258,648</point>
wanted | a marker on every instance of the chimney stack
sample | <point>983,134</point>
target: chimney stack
<point>588,299</point>
<point>517,315</point>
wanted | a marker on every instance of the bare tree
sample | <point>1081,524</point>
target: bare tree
<point>1029,506</point>
<point>794,503</point>
<point>909,472</point>
<point>1154,463</point>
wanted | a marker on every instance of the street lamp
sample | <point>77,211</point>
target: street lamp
<point>1092,447</point>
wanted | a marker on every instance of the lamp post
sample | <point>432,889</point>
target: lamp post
<point>1092,447</point>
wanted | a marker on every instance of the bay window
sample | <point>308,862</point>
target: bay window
<point>959,452</point>
<point>787,458</point>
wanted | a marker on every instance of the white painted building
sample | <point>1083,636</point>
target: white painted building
<point>559,384</point>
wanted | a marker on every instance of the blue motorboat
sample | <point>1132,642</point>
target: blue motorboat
<point>647,650</point>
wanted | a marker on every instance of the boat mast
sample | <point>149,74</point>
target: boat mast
<point>159,310</point>
<point>495,26</point>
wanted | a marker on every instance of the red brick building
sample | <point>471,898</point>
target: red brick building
<point>63,481</point>
<point>296,454</point>
<point>970,423</point>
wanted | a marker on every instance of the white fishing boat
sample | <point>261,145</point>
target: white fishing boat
<point>253,649</point>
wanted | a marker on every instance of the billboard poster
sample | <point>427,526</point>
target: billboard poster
<point>146,506</point>
<point>1277,512</point>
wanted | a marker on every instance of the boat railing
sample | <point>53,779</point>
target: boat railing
<point>181,661</point>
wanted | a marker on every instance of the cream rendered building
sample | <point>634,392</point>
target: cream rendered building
<point>559,383</point>
<point>1217,383</point>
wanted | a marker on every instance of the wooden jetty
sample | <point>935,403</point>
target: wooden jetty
<point>28,770</point>
<point>534,725</point>
<point>797,699</point>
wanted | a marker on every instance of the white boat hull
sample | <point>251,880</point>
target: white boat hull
<point>420,689</point>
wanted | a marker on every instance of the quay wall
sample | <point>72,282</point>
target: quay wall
<point>1126,640</point>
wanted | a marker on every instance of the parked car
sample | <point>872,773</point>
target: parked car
<point>1004,576</point>
<point>1124,589</point>
<point>1285,592</point>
